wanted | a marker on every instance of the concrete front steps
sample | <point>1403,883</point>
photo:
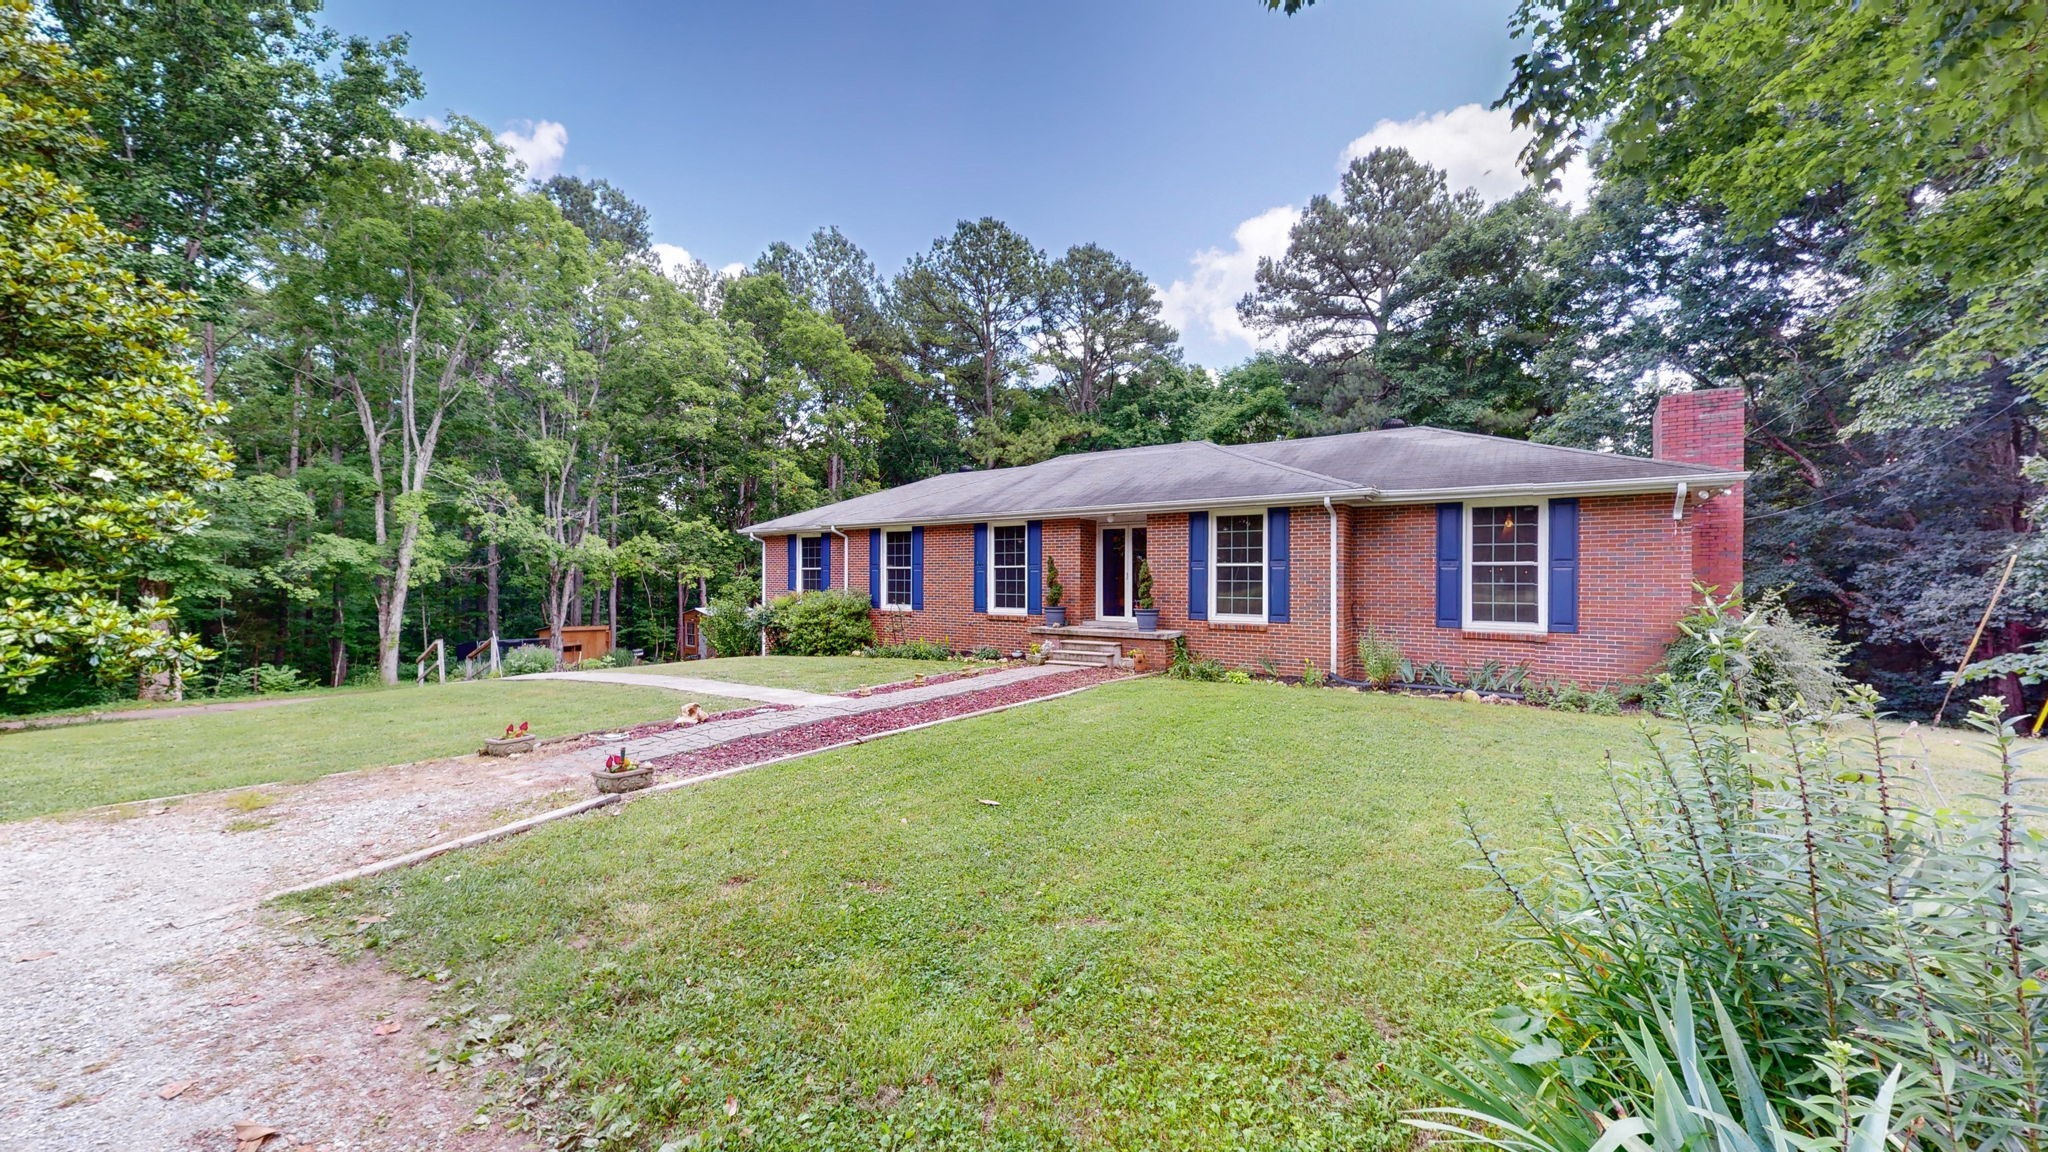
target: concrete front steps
<point>1085,653</point>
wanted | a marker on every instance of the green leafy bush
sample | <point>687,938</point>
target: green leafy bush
<point>1143,580</point>
<point>1054,590</point>
<point>1183,664</point>
<point>1849,920</point>
<point>988,652</point>
<point>526,660</point>
<point>1731,659</point>
<point>733,627</point>
<point>1237,676</point>
<point>598,663</point>
<point>1312,676</point>
<point>834,622</point>
<point>913,650</point>
<point>277,678</point>
<point>1379,661</point>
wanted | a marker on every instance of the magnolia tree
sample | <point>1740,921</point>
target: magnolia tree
<point>105,437</point>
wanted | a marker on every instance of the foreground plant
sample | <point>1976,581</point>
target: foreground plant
<point>1847,919</point>
<point>1532,1098</point>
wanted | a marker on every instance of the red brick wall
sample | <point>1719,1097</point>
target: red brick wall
<point>1707,427</point>
<point>1635,581</point>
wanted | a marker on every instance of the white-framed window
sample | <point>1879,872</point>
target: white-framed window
<point>896,556</point>
<point>1007,577</point>
<point>1507,547</point>
<point>810,564</point>
<point>1237,566</point>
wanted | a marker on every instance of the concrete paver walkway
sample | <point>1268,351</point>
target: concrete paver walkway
<point>793,697</point>
<point>722,732</point>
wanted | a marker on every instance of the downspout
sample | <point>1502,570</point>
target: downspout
<point>845,555</point>
<point>1336,666</point>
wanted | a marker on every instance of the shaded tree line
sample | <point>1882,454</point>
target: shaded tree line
<point>463,404</point>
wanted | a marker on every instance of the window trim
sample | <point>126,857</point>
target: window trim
<point>1466,549</point>
<point>909,568</point>
<point>1216,615</point>
<point>824,568</point>
<point>1025,528</point>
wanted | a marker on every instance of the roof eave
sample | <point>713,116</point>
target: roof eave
<point>1623,487</point>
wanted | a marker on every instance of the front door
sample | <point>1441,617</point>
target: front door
<point>1116,567</point>
<point>1118,557</point>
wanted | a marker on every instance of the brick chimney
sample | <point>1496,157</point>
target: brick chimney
<point>1706,427</point>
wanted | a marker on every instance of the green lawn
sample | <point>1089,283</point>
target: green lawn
<point>78,766</point>
<point>808,673</point>
<point>1198,916</point>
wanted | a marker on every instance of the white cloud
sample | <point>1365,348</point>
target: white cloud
<point>1207,299</point>
<point>733,271</point>
<point>673,258</point>
<point>537,144</point>
<point>1476,147</point>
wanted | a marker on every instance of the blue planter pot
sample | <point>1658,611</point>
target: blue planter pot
<point>1056,617</point>
<point>1148,619</point>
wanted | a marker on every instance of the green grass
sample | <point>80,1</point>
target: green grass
<point>808,673</point>
<point>79,766</point>
<point>1197,917</point>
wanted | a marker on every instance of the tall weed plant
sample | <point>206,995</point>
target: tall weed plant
<point>1794,866</point>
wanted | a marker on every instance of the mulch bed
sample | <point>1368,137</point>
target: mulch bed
<point>906,685</point>
<point>653,728</point>
<point>839,729</point>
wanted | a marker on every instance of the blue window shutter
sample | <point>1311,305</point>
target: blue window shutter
<point>1450,545</point>
<point>875,567</point>
<point>917,569</point>
<point>1198,565</point>
<point>1564,565</point>
<point>1034,567</point>
<point>789,549</point>
<point>981,567</point>
<point>825,559</point>
<point>1277,553</point>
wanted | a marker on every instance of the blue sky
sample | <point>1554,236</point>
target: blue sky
<point>1178,134</point>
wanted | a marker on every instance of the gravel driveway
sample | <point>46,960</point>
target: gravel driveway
<point>145,1004</point>
<point>120,980</point>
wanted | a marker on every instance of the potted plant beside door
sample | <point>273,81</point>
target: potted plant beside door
<point>1147,612</point>
<point>1055,612</point>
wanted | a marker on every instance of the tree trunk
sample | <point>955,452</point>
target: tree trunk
<point>164,684</point>
<point>491,586</point>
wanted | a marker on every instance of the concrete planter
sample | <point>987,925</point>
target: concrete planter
<point>511,747</point>
<point>629,781</point>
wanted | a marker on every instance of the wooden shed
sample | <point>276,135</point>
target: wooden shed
<point>691,642</point>
<point>582,641</point>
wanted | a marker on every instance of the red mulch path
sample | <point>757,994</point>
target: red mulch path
<point>906,685</point>
<point>839,729</point>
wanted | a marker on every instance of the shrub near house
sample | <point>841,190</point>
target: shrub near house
<point>1456,548</point>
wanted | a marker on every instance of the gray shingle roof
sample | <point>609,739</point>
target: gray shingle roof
<point>1393,464</point>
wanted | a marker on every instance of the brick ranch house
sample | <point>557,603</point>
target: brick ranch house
<point>1457,547</point>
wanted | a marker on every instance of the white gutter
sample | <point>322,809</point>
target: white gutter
<point>1336,665</point>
